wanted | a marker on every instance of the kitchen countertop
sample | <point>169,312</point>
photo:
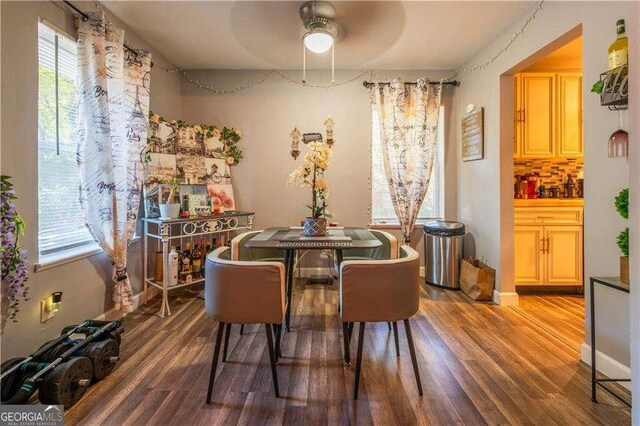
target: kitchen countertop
<point>549,202</point>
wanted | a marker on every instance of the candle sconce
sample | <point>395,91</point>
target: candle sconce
<point>329,124</point>
<point>295,141</point>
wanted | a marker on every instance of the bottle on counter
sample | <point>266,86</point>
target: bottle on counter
<point>173,263</point>
<point>186,273</point>
<point>618,51</point>
<point>196,262</point>
<point>569,187</point>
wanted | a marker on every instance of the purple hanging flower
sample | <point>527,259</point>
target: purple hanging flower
<point>14,268</point>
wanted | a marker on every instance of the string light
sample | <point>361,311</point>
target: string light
<point>501,51</point>
<point>303,83</point>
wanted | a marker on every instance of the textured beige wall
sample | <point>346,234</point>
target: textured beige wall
<point>266,115</point>
<point>487,207</point>
<point>85,283</point>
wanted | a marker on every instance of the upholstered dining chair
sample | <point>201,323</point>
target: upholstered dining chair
<point>380,291</point>
<point>239,251</point>
<point>245,292</point>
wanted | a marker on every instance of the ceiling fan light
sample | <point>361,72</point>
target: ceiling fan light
<point>318,41</point>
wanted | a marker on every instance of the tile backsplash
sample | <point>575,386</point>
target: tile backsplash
<point>553,171</point>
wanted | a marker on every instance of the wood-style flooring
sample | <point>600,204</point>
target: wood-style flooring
<point>480,364</point>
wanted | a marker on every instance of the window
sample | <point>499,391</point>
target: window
<point>60,220</point>
<point>381,207</point>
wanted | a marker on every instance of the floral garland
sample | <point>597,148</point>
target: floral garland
<point>14,269</point>
<point>228,135</point>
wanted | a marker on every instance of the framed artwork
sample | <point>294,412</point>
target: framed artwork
<point>214,147</point>
<point>160,169</point>
<point>217,171</point>
<point>196,200</point>
<point>162,138</point>
<point>473,135</point>
<point>191,169</point>
<point>221,196</point>
<point>189,142</point>
<point>153,196</point>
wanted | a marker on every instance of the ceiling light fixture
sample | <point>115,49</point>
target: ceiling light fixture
<point>322,32</point>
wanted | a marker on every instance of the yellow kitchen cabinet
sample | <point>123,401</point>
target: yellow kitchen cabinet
<point>569,117</point>
<point>537,115</point>
<point>529,255</point>
<point>548,246</point>
<point>548,115</point>
<point>564,255</point>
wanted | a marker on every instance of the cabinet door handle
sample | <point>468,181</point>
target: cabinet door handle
<point>548,245</point>
<point>524,115</point>
<point>545,217</point>
<point>542,249</point>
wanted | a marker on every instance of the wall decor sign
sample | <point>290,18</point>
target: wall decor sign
<point>473,135</point>
<point>199,156</point>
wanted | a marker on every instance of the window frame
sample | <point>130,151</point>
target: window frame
<point>87,247</point>
<point>438,170</point>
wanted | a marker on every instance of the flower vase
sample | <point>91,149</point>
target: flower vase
<point>314,227</point>
<point>170,211</point>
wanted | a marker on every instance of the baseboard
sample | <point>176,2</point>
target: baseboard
<point>139,299</point>
<point>506,299</point>
<point>607,365</point>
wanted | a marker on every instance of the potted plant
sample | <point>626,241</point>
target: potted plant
<point>311,174</point>
<point>622,206</point>
<point>170,209</point>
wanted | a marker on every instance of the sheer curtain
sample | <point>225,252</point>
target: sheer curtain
<point>113,87</point>
<point>408,131</point>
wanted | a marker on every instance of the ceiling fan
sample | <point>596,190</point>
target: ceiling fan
<point>318,18</point>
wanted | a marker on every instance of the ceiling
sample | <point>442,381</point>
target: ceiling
<point>413,35</point>
<point>567,57</point>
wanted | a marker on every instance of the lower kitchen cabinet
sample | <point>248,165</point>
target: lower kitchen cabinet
<point>548,254</point>
<point>564,255</point>
<point>529,251</point>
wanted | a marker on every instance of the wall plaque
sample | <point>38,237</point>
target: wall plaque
<point>473,135</point>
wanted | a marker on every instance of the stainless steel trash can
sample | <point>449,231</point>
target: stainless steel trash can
<point>443,243</point>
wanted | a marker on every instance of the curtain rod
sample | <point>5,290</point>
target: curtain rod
<point>85,17</point>
<point>370,84</point>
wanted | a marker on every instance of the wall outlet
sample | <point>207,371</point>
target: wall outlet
<point>45,313</point>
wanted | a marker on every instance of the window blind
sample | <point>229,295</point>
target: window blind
<point>381,207</point>
<point>60,219</point>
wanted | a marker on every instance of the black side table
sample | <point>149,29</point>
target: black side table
<point>615,284</point>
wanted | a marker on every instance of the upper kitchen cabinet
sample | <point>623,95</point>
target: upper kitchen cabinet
<point>537,110</point>
<point>548,115</point>
<point>569,115</point>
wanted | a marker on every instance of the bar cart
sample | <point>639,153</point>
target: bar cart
<point>166,231</point>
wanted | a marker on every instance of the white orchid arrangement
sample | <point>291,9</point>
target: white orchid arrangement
<point>311,174</point>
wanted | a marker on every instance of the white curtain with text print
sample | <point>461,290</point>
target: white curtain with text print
<point>113,86</point>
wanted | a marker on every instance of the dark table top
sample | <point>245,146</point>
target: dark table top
<point>612,282</point>
<point>336,238</point>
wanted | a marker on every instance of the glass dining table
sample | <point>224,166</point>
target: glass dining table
<point>291,239</point>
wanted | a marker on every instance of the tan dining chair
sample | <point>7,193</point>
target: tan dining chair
<point>380,291</point>
<point>245,292</point>
<point>388,249</point>
<point>240,251</point>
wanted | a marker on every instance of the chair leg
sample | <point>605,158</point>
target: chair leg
<point>214,362</point>
<point>359,359</point>
<point>345,336</point>
<point>278,338</point>
<point>395,338</point>
<point>389,325</point>
<point>227,332</point>
<point>241,329</point>
<point>350,331</point>
<point>412,351</point>
<point>272,360</point>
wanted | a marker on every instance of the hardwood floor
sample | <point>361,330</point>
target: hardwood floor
<point>480,364</point>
